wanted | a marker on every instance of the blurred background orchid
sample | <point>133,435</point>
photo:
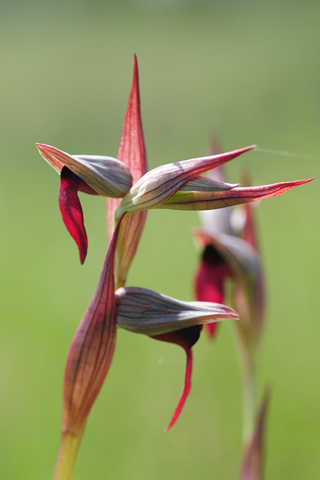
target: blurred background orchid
<point>230,271</point>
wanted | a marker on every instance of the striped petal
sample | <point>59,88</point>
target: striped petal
<point>106,176</point>
<point>132,153</point>
<point>92,349</point>
<point>160,184</point>
<point>210,200</point>
<point>141,310</point>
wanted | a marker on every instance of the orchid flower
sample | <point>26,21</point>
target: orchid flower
<point>164,318</point>
<point>92,174</point>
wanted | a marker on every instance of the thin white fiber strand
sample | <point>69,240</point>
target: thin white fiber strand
<point>302,156</point>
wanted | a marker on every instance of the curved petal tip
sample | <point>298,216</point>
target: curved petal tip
<point>185,391</point>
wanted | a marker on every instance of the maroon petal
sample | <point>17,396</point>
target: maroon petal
<point>71,210</point>
<point>186,338</point>
<point>92,348</point>
<point>132,153</point>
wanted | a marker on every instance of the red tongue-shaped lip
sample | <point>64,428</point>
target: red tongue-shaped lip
<point>186,338</point>
<point>71,210</point>
<point>210,281</point>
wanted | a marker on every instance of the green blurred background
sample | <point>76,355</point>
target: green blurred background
<point>249,70</point>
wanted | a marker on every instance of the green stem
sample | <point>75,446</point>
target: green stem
<point>248,399</point>
<point>247,355</point>
<point>67,455</point>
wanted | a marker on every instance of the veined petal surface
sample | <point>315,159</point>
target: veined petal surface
<point>132,153</point>
<point>157,186</point>
<point>107,176</point>
<point>151,313</point>
<point>92,349</point>
<point>236,196</point>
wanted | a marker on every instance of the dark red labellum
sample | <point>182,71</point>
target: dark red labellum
<point>71,210</point>
<point>186,338</point>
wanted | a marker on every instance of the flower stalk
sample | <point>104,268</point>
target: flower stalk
<point>247,363</point>
<point>68,450</point>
